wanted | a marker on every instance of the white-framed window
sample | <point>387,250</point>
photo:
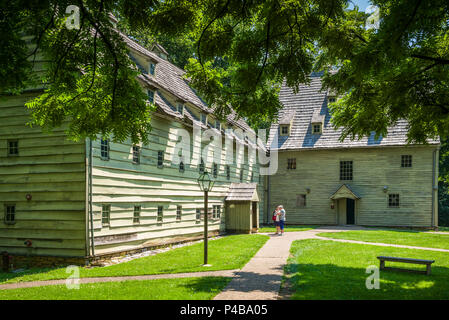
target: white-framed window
<point>150,94</point>
<point>204,118</point>
<point>228,172</point>
<point>291,164</point>
<point>136,214</point>
<point>136,154</point>
<point>178,212</point>
<point>215,170</point>
<point>104,148</point>
<point>241,174</point>
<point>346,170</point>
<point>180,108</point>
<point>316,128</point>
<point>105,215</point>
<point>216,211</point>
<point>10,214</point>
<point>152,68</point>
<point>406,161</point>
<point>13,148</point>
<point>284,130</point>
<point>160,159</point>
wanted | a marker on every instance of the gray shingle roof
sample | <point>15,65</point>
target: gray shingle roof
<point>310,104</point>
<point>242,192</point>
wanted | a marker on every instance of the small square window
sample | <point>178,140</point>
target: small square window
<point>136,154</point>
<point>393,200</point>
<point>284,130</point>
<point>291,164</point>
<point>13,148</point>
<point>105,215</point>
<point>215,170</point>
<point>345,170</point>
<point>152,68</point>
<point>160,213</point>
<point>178,213</point>
<point>301,201</point>
<point>228,172</point>
<point>316,128</point>
<point>150,96</point>
<point>136,215</point>
<point>160,159</point>
<point>406,161</point>
<point>104,149</point>
<point>10,214</point>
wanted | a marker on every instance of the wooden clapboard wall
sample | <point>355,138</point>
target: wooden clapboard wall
<point>120,183</point>
<point>373,168</point>
<point>52,170</point>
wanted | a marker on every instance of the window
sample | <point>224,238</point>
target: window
<point>160,159</point>
<point>104,146</point>
<point>203,118</point>
<point>201,166</point>
<point>10,214</point>
<point>136,216</point>
<point>406,161</point>
<point>217,125</point>
<point>291,164</point>
<point>160,213</point>
<point>198,214</point>
<point>241,175</point>
<point>136,154</point>
<point>215,170</point>
<point>331,99</point>
<point>393,200</point>
<point>105,215</point>
<point>228,172</point>
<point>316,128</point>
<point>178,213</point>
<point>284,130</point>
<point>252,176</point>
<point>13,148</point>
<point>180,108</point>
<point>345,170</point>
<point>301,201</point>
<point>216,212</point>
<point>150,96</point>
<point>152,68</point>
<point>181,166</point>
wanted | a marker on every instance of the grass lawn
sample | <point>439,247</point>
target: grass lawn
<point>320,269</point>
<point>409,238</point>
<point>287,228</point>
<point>230,252</point>
<point>204,288</point>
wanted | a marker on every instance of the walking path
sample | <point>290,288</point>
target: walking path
<point>259,279</point>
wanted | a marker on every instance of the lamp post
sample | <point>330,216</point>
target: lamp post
<point>206,184</point>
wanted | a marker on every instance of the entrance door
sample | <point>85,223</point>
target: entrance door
<point>350,213</point>
<point>254,218</point>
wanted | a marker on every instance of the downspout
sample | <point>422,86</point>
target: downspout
<point>91,218</point>
<point>434,184</point>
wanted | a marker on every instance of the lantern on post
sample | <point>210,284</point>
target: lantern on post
<point>206,184</point>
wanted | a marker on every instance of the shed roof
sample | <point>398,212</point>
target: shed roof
<point>310,105</point>
<point>242,192</point>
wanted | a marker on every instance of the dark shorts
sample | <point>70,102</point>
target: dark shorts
<point>281,224</point>
<point>277,223</point>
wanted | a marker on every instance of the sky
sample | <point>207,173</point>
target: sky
<point>363,4</point>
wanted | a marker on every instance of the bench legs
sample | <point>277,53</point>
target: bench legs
<point>428,269</point>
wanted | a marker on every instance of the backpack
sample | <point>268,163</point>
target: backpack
<point>273,217</point>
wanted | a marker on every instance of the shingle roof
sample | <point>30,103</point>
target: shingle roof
<point>242,192</point>
<point>310,104</point>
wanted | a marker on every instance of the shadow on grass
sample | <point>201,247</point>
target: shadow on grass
<point>5,276</point>
<point>331,282</point>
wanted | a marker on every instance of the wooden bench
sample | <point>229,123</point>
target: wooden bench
<point>428,264</point>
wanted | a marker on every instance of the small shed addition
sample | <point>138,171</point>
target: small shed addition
<point>242,208</point>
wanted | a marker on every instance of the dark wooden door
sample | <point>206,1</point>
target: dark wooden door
<point>350,211</point>
<point>254,210</point>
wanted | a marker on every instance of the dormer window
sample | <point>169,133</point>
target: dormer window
<point>204,118</point>
<point>316,128</point>
<point>152,68</point>
<point>180,108</point>
<point>150,95</point>
<point>285,130</point>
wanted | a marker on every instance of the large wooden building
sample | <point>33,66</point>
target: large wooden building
<point>68,201</point>
<point>369,182</point>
